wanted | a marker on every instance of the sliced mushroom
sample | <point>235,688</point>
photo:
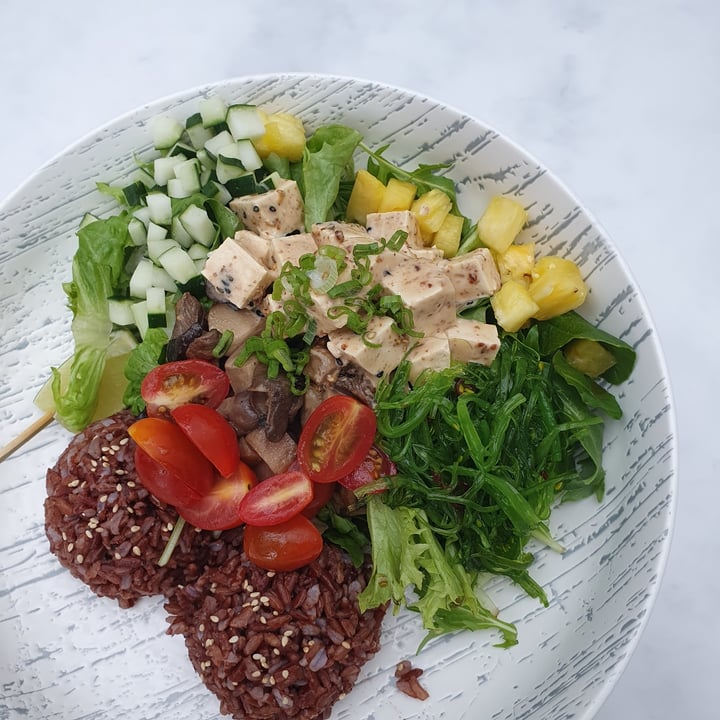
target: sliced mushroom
<point>178,345</point>
<point>201,348</point>
<point>278,455</point>
<point>355,381</point>
<point>279,403</point>
<point>322,368</point>
<point>239,411</point>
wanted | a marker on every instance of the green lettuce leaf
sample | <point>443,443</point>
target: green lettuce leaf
<point>98,267</point>
<point>147,355</point>
<point>327,159</point>
<point>407,556</point>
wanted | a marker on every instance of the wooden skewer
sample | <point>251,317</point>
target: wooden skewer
<point>26,434</point>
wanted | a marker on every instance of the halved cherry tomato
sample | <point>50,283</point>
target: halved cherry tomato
<point>211,434</point>
<point>159,481</point>
<point>219,509</point>
<point>166,444</point>
<point>176,383</point>
<point>288,546</point>
<point>322,492</point>
<point>276,499</point>
<point>375,465</point>
<point>336,438</point>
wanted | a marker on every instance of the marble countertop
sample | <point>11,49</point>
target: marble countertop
<point>619,99</point>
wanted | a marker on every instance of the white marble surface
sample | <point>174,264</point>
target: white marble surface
<point>620,99</point>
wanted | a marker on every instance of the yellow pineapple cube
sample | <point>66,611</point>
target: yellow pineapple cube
<point>557,286</point>
<point>513,306</point>
<point>501,222</point>
<point>447,238</point>
<point>365,197</point>
<point>516,263</point>
<point>430,210</point>
<point>398,196</point>
<point>284,136</point>
<point>589,357</point>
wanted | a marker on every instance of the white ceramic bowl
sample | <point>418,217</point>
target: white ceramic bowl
<point>67,654</point>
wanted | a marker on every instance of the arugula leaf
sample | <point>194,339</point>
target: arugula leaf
<point>559,331</point>
<point>327,159</point>
<point>97,269</point>
<point>147,355</point>
<point>345,534</point>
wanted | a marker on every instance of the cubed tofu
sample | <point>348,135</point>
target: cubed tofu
<point>272,213</point>
<point>258,247</point>
<point>384,225</point>
<point>474,276</point>
<point>243,324</point>
<point>318,311</point>
<point>378,361</point>
<point>473,341</point>
<point>429,353</point>
<point>290,249</point>
<point>235,275</point>
<point>426,290</point>
<point>342,235</point>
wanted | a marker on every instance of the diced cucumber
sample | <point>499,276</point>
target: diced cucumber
<point>146,178</point>
<point>139,311</point>
<point>228,167</point>
<point>164,168</point>
<point>175,189</point>
<point>179,233</point>
<point>178,264</point>
<point>166,131</point>
<point>217,142</point>
<point>189,175</point>
<point>217,191</point>
<point>198,225</point>
<point>161,279</point>
<point>199,135</point>
<point>193,120</point>
<point>181,148</point>
<point>195,286</point>
<point>137,231</point>
<point>242,185</point>
<point>143,214</point>
<point>87,219</point>
<point>206,161</point>
<point>160,208</point>
<point>142,278</point>
<point>212,111</point>
<point>273,180</point>
<point>245,121</point>
<point>155,232</point>
<point>157,248</point>
<point>120,311</point>
<point>248,155</point>
<point>199,264</point>
<point>156,307</point>
<point>197,251</point>
<point>134,193</point>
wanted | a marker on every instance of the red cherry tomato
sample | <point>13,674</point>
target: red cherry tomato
<point>375,464</point>
<point>219,509</point>
<point>185,476</point>
<point>176,383</point>
<point>336,437</point>
<point>211,434</point>
<point>322,492</point>
<point>288,546</point>
<point>276,499</point>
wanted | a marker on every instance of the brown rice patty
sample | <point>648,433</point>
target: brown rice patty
<point>277,645</point>
<point>108,530</point>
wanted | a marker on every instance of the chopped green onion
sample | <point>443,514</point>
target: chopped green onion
<point>223,343</point>
<point>172,542</point>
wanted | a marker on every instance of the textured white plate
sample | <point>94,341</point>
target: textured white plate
<point>66,654</point>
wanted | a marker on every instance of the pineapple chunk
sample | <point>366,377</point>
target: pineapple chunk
<point>513,306</point>
<point>516,263</point>
<point>431,209</point>
<point>284,136</point>
<point>398,195</point>
<point>557,287</point>
<point>501,222</point>
<point>589,357</point>
<point>447,238</point>
<point>365,197</point>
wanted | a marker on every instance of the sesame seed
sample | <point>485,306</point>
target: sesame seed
<point>288,633</point>
<point>257,656</point>
<point>306,649</point>
<point>276,651</point>
<point>346,644</point>
<point>209,642</point>
<point>93,463</point>
<point>104,449</point>
<point>136,550</point>
<point>89,534</point>
<point>270,573</point>
<point>120,471</point>
<point>254,594</point>
<point>118,556</point>
<point>263,620</point>
<point>284,641</point>
<point>249,588</point>
<point>233,639</point>
<point>118,487</point>
<point>214,618</point>
<point>114,448</point>
<point>134,528</point>
<point>102,498</point>
<point>201,627</point>
<point>285,674</point>
<point>124,441</point>
<point>79,559</point>
<point>70,547</point>
<point>169,527</point>
<point>265,600</point>
<point>116,507</point>
<point>106,464</point>
<point>64,535</point>
<point>255,673</point>
<point>131,483</point>
<point>73,483</point>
